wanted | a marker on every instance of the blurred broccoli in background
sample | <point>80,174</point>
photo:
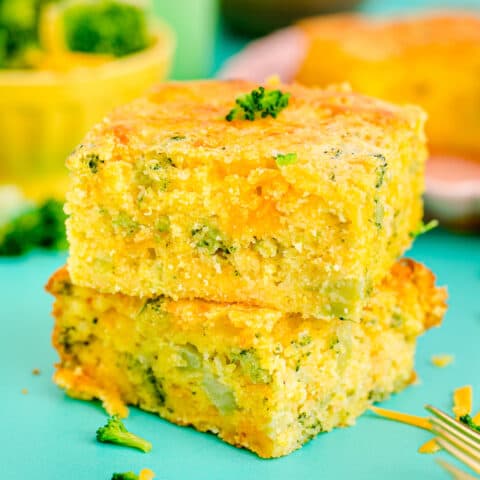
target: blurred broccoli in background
<point>18,30</point>
<point>41,226</point>
<point>111,27</point>
<point>106,27</point>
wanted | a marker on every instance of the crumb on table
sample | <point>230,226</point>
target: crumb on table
<point>442,360</point>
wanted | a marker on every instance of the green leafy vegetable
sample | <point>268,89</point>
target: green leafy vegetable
<point>115,432</point>
<point>381,170</point>
<point>211,240</point>
<point>110,27</point>
<point>38,227</point>
<point>125,476</point>
<point>424,228</point>
<point>259,103</point>
<point>468,421</point>
<point>250,364</point>
<point>18,31</point>
<point>286,159</point>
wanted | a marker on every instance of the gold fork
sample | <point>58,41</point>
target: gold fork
<point>456,438</point>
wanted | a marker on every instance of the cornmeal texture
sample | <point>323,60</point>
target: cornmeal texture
<point>302,213</point>
<point>258,378</point>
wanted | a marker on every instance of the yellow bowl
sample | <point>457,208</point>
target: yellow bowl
<point>44,114</point>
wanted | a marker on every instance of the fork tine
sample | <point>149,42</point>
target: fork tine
<point>456,438</point>
<point>445,429</point>
<point>456,473</point>
<point>459,454</point>
<point>454,423</point>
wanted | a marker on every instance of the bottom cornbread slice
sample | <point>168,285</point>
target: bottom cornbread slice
<point>259,378</point>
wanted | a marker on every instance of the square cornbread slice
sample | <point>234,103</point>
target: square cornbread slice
<point>259,378</point>
<point>170,198</point>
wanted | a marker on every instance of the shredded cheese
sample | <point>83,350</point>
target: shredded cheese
<point>146,474</point>
<point>476,419</point>
<point>462,401</point>
<point>419,422</point>
<point>430,447</point>
<point>442,361</point>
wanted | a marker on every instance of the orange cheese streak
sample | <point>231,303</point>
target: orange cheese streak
<point>462,401</point>
<point>419,422</point>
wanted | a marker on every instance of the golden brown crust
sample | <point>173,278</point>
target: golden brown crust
<point>197,110</point>
<point>433,298</point>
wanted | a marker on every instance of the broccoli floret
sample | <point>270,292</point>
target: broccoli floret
<point>468,421</point>
<point>116,432</point>
<point>283,159</point>
<point>18,31</point>
<point>125,476</point>
<point>424,228</point>
<point>111,27</point>
<point>250,364</point>
<point>210,240</point>
<point>38,227</point>
<point>259,102</point>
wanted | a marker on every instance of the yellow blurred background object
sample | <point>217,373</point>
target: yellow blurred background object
<point>430,60</point>
<point>46,112</point>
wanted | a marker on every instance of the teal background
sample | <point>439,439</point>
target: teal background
<point>46,435</point>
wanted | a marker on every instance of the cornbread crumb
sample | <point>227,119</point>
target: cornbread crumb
<point>36,371</point>
<point>442,360</point>
<point>24,391</point>
<point>431,446</point>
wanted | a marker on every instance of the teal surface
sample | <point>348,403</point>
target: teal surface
<point>46,435</point>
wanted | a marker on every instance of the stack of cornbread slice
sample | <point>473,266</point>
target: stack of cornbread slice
<point>220,286</point>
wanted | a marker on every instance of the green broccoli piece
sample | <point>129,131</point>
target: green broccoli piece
<point>125,476</point>
<point>259,102</point>
<point>38,227</point>
<point>468,421</point>
<point>210,240</point>
<point>18,31</point>
<point>110,27</point>
<point>283,159</point>
<point>116,432</point>
<point>424,228</point>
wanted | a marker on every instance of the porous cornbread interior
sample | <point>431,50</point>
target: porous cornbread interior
<point>259,378</point>
<point>429,60</point>
<point>169,198</point>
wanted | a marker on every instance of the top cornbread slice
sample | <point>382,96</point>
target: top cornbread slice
<point>169,198</point>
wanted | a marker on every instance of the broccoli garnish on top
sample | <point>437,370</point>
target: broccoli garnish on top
<point>116,432</point>
<point>468,421</point>
<point>38,227</point>
<point>259,103</point>
<point>112,27</point>
<point>125,476</point>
